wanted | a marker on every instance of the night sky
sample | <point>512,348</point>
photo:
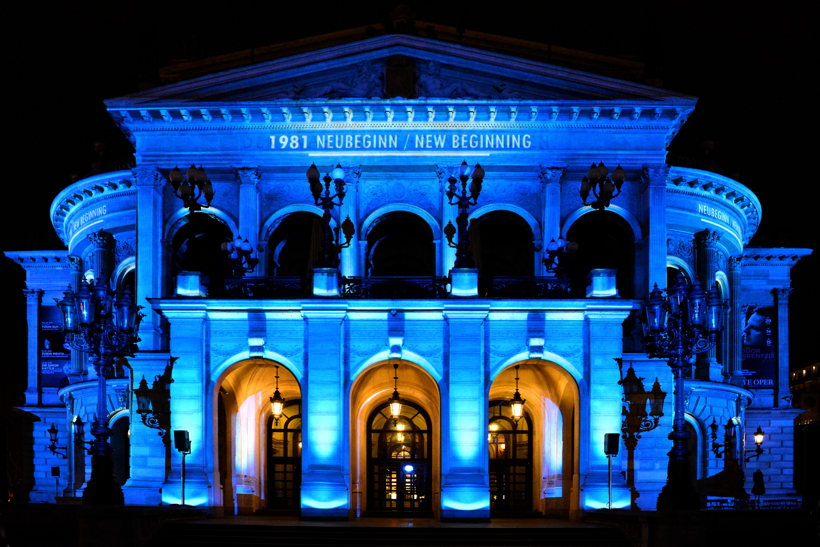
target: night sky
<point>752,71</point>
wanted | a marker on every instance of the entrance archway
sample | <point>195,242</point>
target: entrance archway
<point>510,444</point>
<point>381,451</point>
<point>546,441</point>
<point>245,431</point>
<point>399,460</point>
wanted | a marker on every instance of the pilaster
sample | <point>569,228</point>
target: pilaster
<point>149,251</point>
<point>34,298</point>
<point>464,468</point>
<point>79,360</point>
<point>604,332</point>
<point>249,178</point>
<point>349,264</point>
<point>654,177</point>
<point>325,461</point>
<point>551,212</point>
<point>781,302</point>
<point>706,250</point>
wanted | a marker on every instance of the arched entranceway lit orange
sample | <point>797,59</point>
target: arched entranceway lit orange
<point>242,416</point>
<point>552,404</point>
<point>371,389</point>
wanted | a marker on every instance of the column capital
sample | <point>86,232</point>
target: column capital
<point>735,263</point>
<point>100,239</point>
<point>33,296</point>
<point>247,175</point>
<point>550,175</point>
<point>75,263</point>
<point>654,174</point>
<point>782,294</point>
<point>146,175</point>
<point>708,239</point>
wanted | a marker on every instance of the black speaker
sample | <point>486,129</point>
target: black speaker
<point>611,444</point>
<point>181,441</point>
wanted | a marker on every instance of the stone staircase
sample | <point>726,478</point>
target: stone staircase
<point>182,533</point>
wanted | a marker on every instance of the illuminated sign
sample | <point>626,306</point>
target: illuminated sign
<point>714,212</point>
<point>85,218</point>
<point>53,353</point>
<point>403,141</point>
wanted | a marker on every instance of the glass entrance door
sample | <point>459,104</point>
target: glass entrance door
<point>285,459</point>
<point>400,474</point>
<point>510,446</point>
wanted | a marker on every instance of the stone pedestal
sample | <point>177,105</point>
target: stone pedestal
<point>464,282</point>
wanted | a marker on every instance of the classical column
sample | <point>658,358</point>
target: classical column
<point>734,328</point>
<point>248,178</point>
<point>349,264</point>
<point>325,452</point>
<point>79,360</point>
<point>101,243</point>
<point>706,251</point>
<point>551,212</point>
<point>33,299</point>
<point>150,255</point>
<point>654,199</point>
<point>781,302</point>
<point>464,464</point>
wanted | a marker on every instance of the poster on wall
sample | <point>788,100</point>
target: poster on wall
<point>55,357</point>
<point>759,354</point>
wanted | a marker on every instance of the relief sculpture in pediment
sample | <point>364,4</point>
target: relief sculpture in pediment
<point>368,83</point>
<point>431,84</point>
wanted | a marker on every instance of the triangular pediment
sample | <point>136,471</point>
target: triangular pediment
<point>399,66</point>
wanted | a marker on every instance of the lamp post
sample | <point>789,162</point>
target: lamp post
<point>324,198</point>
<point>395,401</point>
<point>558,256</point>
<point>154,403</point>
<point>685,322</point>
<point>191,187</point>
<point>603,187</point>
<point>52,437</point>
<point>463,197</point>
<point>240,256</point>
<point>102,322</point>
<point>517,403</point>
<point>758,435</point>
<point>277,402</point>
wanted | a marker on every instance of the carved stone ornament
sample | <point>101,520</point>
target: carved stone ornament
<point>124,248</point>
<point>400,77</point>
<point>549,175</point>
<point>782,295</point>
<point>681,248</point>
<point>247,175</point>
<point>148,176</point>
<point>735,263</point>
<point>367,84</point>
<point>431,84</point>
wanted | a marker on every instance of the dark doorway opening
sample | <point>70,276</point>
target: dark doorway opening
<point>285,459</point>
<point>510,446</point>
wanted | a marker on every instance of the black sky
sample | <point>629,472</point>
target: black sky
<point>753,71</point>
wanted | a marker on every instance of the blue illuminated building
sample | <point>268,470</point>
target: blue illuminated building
<point>399,114</point>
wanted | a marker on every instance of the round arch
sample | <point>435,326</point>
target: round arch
<point>679,264</point>
<point>240,411</point>
<point>535,227</point>
<point>274,220</point>
<point>553,403</point>
<point>620,211</point>
<point>176,221</point>
<point>371,220</point>
<point>371,388</point>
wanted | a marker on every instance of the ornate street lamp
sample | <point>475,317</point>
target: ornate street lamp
<point>52,437</point>
<point>758,435</point>
<point>685,322</point>
<point>323,197</point>
<point>154,403</point>
<point>102,322</point>
<point>459,196</point>
<point>240,256</point>
<point>277,402</point>
<point>603,187</point>
<point>79,435</point>
<point>395,401</point>
<point>193,186</point>
<point>558,255</point>
<point>517,403</point>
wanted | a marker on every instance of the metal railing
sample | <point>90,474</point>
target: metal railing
<point>395,287</point>
<point>262,287</point>
<point>524,287</point>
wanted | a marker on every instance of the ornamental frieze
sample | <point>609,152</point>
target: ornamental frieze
<point>680,247</point>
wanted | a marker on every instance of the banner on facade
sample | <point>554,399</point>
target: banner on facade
<point>55,357</point>
<point>759,354</point>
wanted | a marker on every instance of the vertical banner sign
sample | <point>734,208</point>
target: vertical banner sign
<point>759,355</point>
<point>54,355</point>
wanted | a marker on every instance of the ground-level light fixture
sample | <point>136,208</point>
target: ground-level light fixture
<point>277,402</point>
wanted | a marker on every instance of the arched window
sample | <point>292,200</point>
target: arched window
<point>605,240</point>
<point>399,460</point>
<point>285,458</point>
<point>294,245</point>
<point>121,443</point>
<point>502,244</point>
<point>400,244</point>
<point>510,446</point>
<point>198,246</point>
